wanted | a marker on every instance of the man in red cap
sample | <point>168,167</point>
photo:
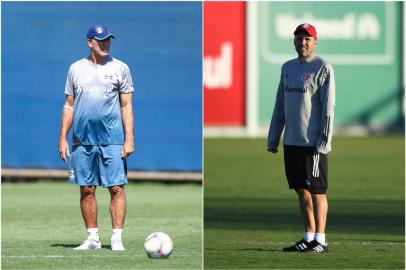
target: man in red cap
<point>304,109</point>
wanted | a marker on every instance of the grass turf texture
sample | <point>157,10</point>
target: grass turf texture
<point>42,222</point>
<point>250,214</point>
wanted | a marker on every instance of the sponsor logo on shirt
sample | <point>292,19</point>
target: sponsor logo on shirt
<point>95,89</point>
<point>295,89</point>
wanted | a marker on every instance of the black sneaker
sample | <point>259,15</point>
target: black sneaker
<point>316,247</point>
<point>300,246</point>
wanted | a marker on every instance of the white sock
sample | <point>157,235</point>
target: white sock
<point>309,236</point>
<point>117,234</point>
<point>93,233</point>
<point>321,238</point>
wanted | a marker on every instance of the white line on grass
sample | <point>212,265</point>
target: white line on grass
<point>62,256</point>
<point>82,255</point>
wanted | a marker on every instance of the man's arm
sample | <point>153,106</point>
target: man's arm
<point>128,124</point>
<point>278,120</point>
<point>66,123</point>
<point>327,99</point>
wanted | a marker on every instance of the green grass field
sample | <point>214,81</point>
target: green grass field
<point>41,223</point>
<point>250,214</point>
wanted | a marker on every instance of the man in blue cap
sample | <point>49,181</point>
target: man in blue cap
<point>98,106</point>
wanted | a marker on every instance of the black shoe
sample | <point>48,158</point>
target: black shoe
<point>316,247</point>
<point>300,246</point>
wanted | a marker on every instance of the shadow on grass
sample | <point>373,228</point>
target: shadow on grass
<point>249,249</point>
<point>349,216</point>
<point>375,240</point>
<point>75,245</point>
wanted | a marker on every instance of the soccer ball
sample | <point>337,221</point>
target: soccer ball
<point>158,245</point>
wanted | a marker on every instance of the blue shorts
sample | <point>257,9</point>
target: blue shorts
<point>97,165</point>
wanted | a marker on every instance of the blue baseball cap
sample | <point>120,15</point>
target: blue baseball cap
<point>99,32</point>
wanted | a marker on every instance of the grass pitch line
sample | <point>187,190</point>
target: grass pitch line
<point>82,255</point>
<point>66,256</point>
<point>48,246</point>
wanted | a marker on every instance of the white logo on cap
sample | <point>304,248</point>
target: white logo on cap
<point>306,25</point>
<point>99,30</point>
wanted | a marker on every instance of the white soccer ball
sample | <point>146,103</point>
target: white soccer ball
<point>158,245</point>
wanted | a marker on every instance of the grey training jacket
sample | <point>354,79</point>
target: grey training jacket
<point>304,105</point>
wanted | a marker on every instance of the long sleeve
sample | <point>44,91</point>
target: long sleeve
<point>327,99</point>
<point>278,118</point>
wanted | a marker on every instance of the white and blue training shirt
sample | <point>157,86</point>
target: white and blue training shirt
<point>96,89</point>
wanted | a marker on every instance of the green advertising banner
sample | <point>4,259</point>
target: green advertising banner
<point>362,40</point>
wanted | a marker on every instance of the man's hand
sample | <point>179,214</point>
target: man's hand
<point>63,148</point>
<point>273,150</point>
<point>128,149</point>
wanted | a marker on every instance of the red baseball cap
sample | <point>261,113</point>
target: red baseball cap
<point>308,28</point>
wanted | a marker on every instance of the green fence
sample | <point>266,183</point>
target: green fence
<point>363,41</point>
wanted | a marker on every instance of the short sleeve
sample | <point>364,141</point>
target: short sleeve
<point>127,83</point>
<point>69,86</point>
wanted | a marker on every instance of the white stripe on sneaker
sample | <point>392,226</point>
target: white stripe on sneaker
<point>318,249</point>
